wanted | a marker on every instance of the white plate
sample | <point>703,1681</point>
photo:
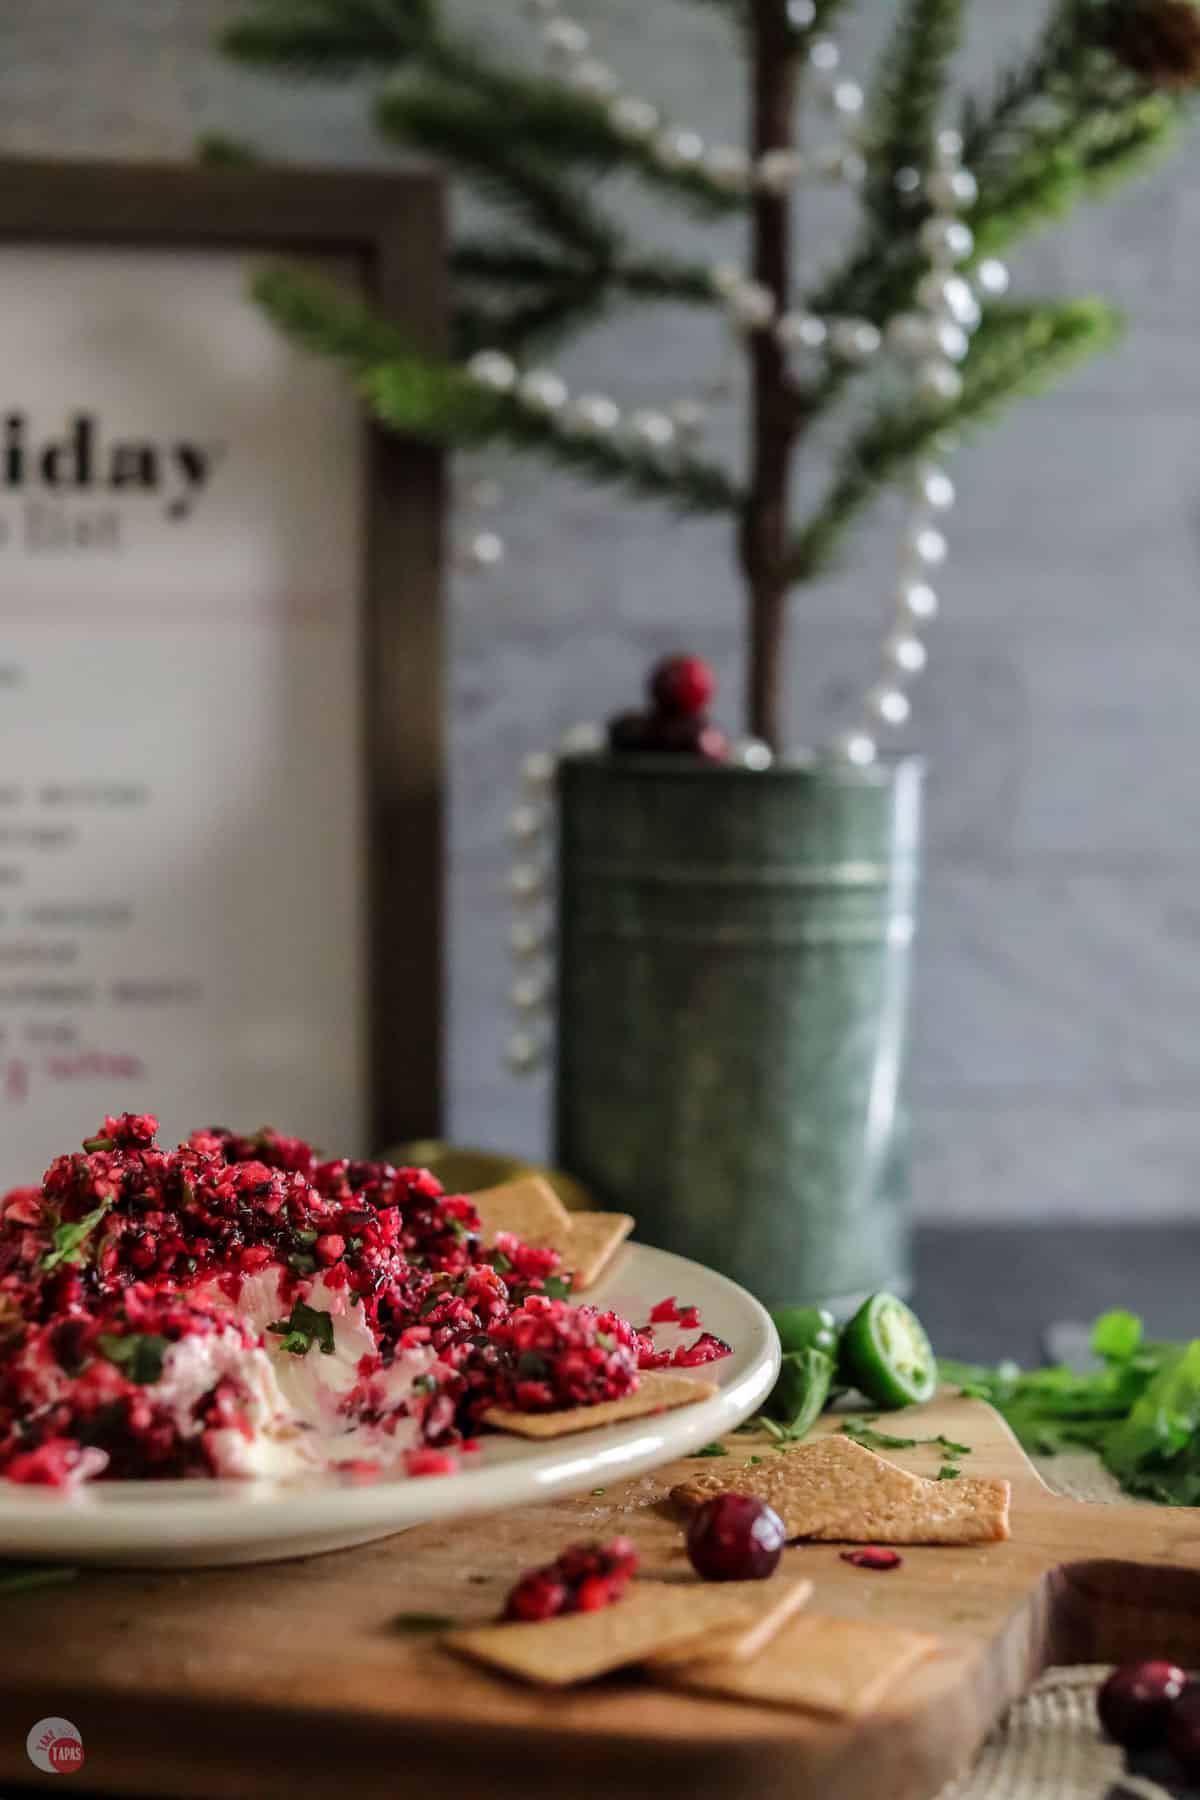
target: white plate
<point>194,1524</point>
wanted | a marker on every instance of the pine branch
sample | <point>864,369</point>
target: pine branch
<point>915,69</point>
<point>505,265</point>
<point>535,323</point>
<point>1081,158</point>
<point>430,398</point>
<point>1019,351</point>
<point>1058,60</point>
<point>464,132</point>
<point>328,40</point>
<point>566,128</point>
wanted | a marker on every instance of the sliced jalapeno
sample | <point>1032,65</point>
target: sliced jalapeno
<point>886,1354</point>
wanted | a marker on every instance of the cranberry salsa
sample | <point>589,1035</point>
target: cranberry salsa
<point>239,1307</point>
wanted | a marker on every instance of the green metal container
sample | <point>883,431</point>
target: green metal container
<point>734,951</point>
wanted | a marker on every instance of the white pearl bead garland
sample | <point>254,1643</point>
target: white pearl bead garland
<point>933,338</point>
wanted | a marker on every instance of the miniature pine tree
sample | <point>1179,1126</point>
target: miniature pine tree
<point>1105,85</point>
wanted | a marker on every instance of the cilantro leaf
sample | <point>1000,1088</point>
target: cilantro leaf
<point>949,1472</point>
<point>304,1324</point>
<point>17,1578</point>
<point>870,1439</point>
<point>711,1450</point>
<point>1116,1335</point>
<point>69,1239</point>
<point>139,1353</point>
<point>556,1287</point>
<point>419,1621</point>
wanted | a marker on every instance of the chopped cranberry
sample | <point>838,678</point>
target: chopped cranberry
<point>1137,1700</point>
<point>734,1537</point>
<point>584,1578</point>
<point>666,1312</point>
<point>706,1349</point>
<point>873,1557</point>
<point>430,1462</point>
<point>682,685</point>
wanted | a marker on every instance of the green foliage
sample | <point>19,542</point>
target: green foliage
<point>1018,351</point>
<point>331,39</point>
<point>1060,126</point>
<point>218,150</point>
<point>1140,1412</point>
<point>424,396</point>
<point>914,71</point>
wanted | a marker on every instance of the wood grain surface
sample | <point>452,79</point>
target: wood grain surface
<point>301,1678</point>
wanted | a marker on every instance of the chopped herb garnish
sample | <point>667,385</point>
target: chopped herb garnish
<point>599,1490</point>
<point>556,1287</point>
<point>69,1239</point>
<point>428,1304</point>
<point>884,1440</point>
<point>99,1143</point>
<point>949,1472</point>
<point>302,1262</point>
<point>17,1580</point>
<point>531,1366</point>
<point>306,1236</point>
<point>501,1263</point>
<point>419,1621</point>
<point>606,1340</point>
<point>711,1450</point>
<point>425,1384</point>
<point>755,1459</point>
<point>305,1324</point>
<point>139,1353</point>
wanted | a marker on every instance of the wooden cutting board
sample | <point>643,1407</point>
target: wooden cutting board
<point>296,1679</point>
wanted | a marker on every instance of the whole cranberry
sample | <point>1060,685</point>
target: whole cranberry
<point>1183,1727</point>
<point>734,1537</point>
<point>631,731</point>
<point>689,737</point>
<point>1136,1701</point>
<point>682,685</point>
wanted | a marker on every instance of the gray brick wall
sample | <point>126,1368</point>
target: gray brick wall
<point>1056,1058</point>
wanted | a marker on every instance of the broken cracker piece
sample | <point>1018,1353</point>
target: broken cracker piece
<point>594,1241</point>
<point>653,1616</point>
<point>529,1208</point>
<point>819,1663</point>
<point>838,1491</point>
<point>773,1603</point>
<point>657,1391</point>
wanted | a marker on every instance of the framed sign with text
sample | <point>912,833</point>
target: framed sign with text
<point>220,666</point>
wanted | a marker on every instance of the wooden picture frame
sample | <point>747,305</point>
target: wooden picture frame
<point>391,225</point>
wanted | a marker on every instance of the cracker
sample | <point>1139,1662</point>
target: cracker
<point>838,1491</point>
<point>653,1616</point>
<point>594,1241</point>
<point>773,1603</point>
<point>657,1391</point>
<point>819,1663</point>
<point>529,1208</point>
